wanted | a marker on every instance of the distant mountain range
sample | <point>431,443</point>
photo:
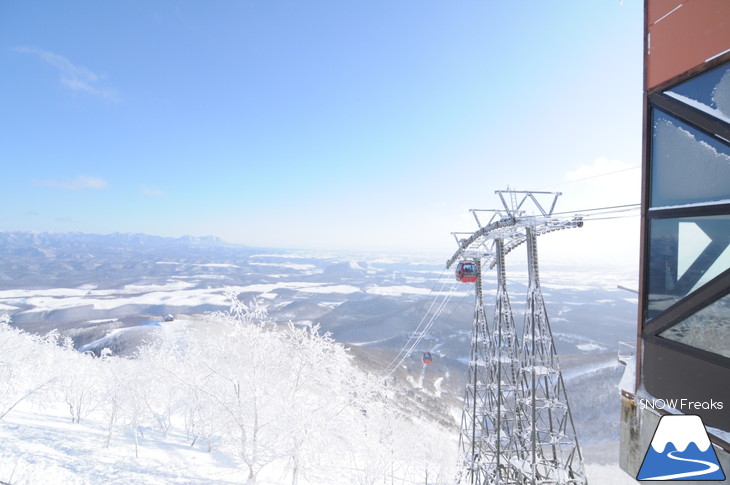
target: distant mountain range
<point>49,259</point>
<point>19,241</point>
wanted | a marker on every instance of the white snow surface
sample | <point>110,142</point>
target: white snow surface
<point>399,290</point>
<point>590,347</point>
<point>311,403</point>
<point>628,379</point>
<point>39,444</point>
<point>48,449</point>
<point>177,292</point>
<point>40,449</point>
<point>294,266</point>
<point>717,113</point>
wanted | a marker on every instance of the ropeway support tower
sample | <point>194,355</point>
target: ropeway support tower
<point>516,423</point>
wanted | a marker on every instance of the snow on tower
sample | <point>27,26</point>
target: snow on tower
<point>516,422</point>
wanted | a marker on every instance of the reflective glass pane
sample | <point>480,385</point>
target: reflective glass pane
<point>709,92</point>
<point>708,329</point>
<point>684,254</point>
<point>688,166</point>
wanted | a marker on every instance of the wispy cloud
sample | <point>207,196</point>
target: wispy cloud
<point>151,191</point>
<point>75,78</point>
<point>605,182</point>
<point>82,182</point>
<point>600,167</point>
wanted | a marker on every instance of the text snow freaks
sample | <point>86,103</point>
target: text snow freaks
<point>680,404</point>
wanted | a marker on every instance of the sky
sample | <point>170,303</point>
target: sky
<point>317,123</point>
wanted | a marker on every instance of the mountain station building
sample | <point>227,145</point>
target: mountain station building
<point>682,360</point>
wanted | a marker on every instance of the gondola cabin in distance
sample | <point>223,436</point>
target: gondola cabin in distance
<point>427,359</point>
<point>466,271</point>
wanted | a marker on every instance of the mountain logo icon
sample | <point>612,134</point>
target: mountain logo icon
<point>681,450</point>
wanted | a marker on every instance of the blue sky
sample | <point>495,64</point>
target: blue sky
<point>312,123</point>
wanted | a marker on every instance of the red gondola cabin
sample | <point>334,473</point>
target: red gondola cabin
<point>466,272</point>
<point>427,359</point>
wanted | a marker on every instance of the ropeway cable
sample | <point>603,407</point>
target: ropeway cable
<point>433,302</point>
<point>416,331</point>
<point>607,210</point>
<point>613,217</point>
<point>589,214</point>
<point>558,184</point>
<point>425,330</point>
<point>408,348</point>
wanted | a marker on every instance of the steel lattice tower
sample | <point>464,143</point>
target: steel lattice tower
<point>553,454</point>
<point>473,442</point>
<point>516,423</point>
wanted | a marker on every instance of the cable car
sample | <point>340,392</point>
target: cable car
<point>427,359</point>
<point>466,271</point>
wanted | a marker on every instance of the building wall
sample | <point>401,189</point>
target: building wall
<point>682,35</point>
<point>683,346</point>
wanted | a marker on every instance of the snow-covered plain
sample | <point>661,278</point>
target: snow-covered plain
<point>175,293</point>
<point>375,303</point>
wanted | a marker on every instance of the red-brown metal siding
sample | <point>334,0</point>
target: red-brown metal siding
<point>683,35</point>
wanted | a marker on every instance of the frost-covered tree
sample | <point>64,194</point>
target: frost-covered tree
<point>284,399</point>
<point>241,357</point>
<point>78,381</point>
<point>27,365</point>
<point>162,391</point>
<point>113,391</point>
<point>311,417</point>
<point>230,374</point>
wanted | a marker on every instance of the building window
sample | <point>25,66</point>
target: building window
<point>708,329</point>
<point>688,216</point>
<point>686,263</point>
<point>688,165</point>
<point>685,253</point>
<point>708,92</point>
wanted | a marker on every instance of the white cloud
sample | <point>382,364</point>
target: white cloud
<point>600,167</point>
<point>603,183</point>
<point>81,182</point>
<point>76,78</point>
<point>151,191</point>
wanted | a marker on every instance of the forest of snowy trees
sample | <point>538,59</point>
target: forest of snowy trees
<point>280,399</point>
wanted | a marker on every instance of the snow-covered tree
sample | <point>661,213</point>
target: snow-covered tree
<point>27,365</point>
<point>78,381</point>
<point>278,397</point>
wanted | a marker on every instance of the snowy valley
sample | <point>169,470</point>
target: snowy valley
<point>276,367</point>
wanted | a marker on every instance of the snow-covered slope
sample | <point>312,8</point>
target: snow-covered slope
<point>100,298</point>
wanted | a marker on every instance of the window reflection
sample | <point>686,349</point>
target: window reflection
<point>688,166</point>
<point>684,254</point>
<point>708,329</point>
<point>709,92</point>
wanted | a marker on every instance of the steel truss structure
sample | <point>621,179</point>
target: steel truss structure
<point>516,423</point>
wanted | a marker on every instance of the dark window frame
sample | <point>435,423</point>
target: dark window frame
<point>705,122</point>
<point>669,368</point>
